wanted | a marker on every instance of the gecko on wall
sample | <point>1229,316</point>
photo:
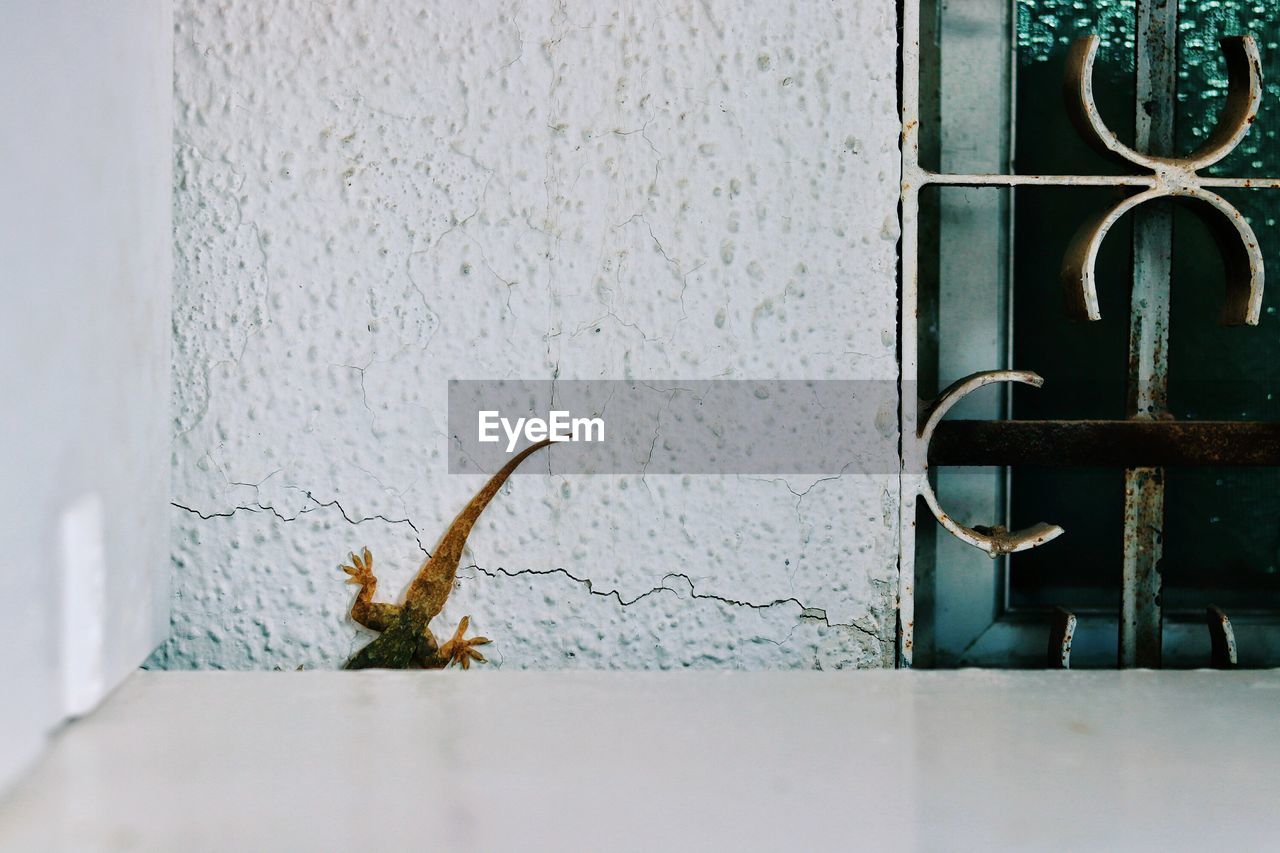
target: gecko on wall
<point>405,640</point>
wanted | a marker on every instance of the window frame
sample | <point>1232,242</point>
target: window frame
<point>957,263</point>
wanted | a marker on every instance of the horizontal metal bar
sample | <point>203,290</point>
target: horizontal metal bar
<point>1106,444</point>
<point>1149,181</point>
<point>1039,180</point>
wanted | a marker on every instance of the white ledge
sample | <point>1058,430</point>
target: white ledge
<point>490,760</point>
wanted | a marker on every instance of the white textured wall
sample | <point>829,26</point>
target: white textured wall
<point>374,198</point>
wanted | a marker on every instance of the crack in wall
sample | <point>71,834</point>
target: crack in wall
<point>267,508</point>
<point>816,614</point>
<point>806,612</point>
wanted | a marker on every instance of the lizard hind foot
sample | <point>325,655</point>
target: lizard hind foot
<point>361,568</point>
<point>462,651</point>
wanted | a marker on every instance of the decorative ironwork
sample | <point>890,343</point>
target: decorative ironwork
<point>1148,440</point>
<point>1222,638</point>
<point>1062,629</point>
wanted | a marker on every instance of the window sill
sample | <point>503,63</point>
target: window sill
<point>519,760</point>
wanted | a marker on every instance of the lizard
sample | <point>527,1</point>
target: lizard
<point>405,640</point>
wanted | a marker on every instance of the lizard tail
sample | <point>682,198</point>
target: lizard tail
<point>455,537</point>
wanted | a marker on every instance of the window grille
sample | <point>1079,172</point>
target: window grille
<point>1152,177</point>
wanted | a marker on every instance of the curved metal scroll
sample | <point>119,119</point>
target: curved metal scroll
<point>1244,93</point>
<point>1236,242</point>
<point>995,540</point>
<point>1222,638</point>
<point>1175,178</point>
<point>1062,630</point>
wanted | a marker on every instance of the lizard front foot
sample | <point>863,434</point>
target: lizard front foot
<point>461,651</point>
<point>361,570</point>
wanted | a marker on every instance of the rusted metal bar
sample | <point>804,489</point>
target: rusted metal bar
<point>1106,444</point>
<point>1221,638</point>
<point>1062,629</point>
<point>1141,617</point>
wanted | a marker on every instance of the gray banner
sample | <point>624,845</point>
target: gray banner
<point>793,426</point>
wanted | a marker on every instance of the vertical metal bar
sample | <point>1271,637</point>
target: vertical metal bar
<point>909,480</point>
<point>1140,611</point>
<point>926,227</point>
<point>1010,217</point>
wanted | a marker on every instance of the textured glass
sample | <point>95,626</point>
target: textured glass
<point>1045,27</point>
<point>1202,83</point>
